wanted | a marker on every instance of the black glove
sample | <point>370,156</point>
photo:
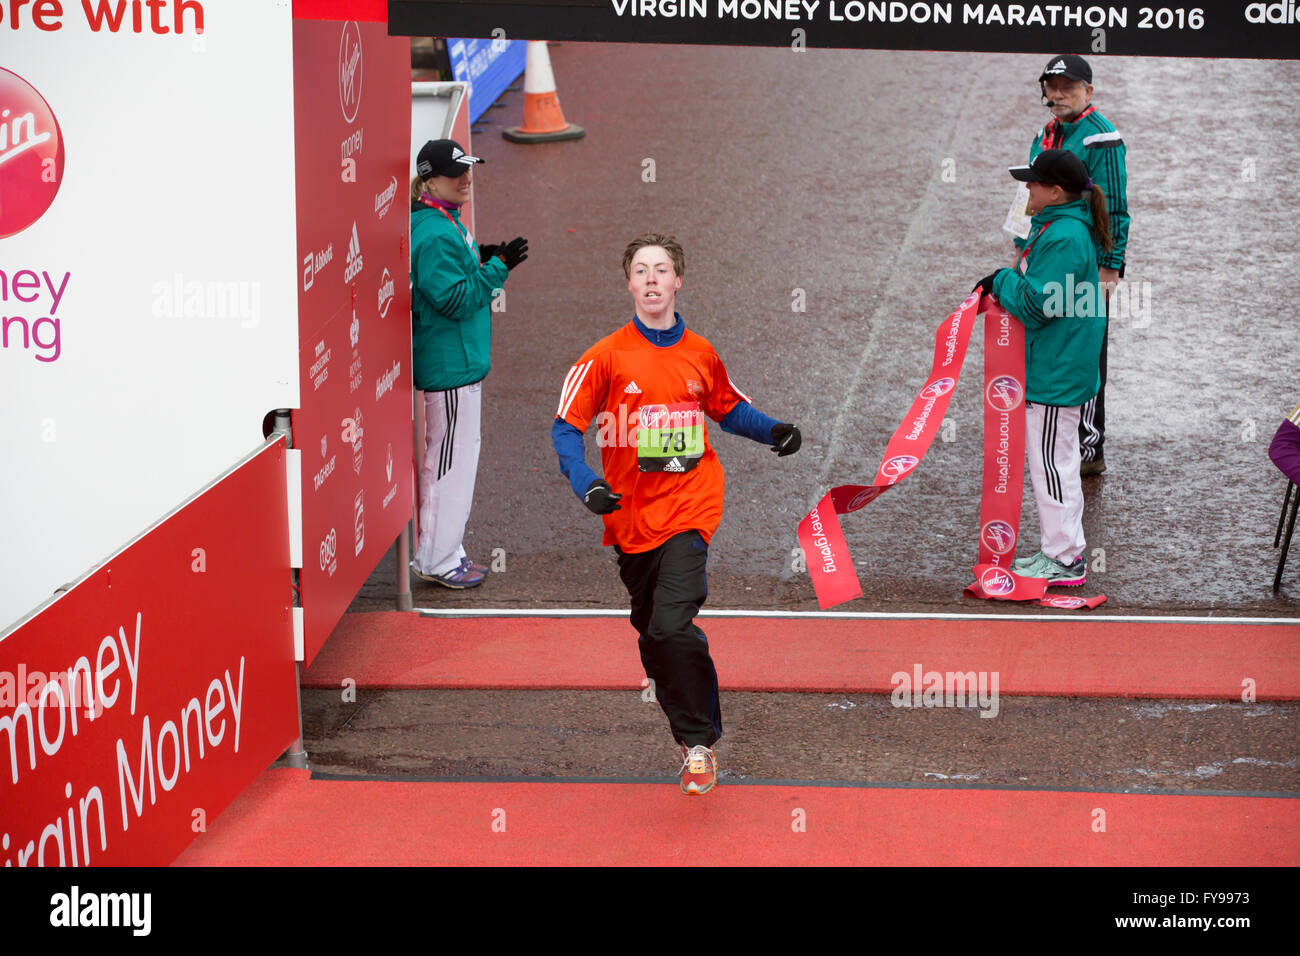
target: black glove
<point>487,252</point>
<point>785,439</point>
<point>514,252</point>
<point>600,498</point>
<point>987,282</point>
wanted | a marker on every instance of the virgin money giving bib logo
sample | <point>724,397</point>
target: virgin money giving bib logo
<point>350,71</point>
<point>31,154</point>
<point>1005,393</point>
<point>653,416</point>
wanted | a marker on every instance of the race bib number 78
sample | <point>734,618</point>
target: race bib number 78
<point>670,437</point>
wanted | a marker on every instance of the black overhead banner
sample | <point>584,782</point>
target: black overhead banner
<point>1217,28</point>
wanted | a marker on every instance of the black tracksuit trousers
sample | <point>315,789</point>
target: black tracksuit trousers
<point>668,585</point>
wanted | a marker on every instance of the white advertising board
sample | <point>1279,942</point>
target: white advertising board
<point>148,300</point>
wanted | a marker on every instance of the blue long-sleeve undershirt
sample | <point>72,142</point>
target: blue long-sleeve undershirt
<point>572,451</point>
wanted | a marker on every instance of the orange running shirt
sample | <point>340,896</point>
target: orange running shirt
<point>670,478</point>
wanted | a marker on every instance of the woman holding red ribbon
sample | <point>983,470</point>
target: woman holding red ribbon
<point>1055,293</point>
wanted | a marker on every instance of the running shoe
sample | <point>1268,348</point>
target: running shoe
<point>1095,467</point>
<point>1067,575</point>
<point>1022,565</point>
<point>699,769</point>
<point>469,565</point>
<point>1057,573</point>
<point>458,578</point>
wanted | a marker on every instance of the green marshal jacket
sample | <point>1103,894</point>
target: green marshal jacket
<point>1094,139</point>
<point>451,296</point>
<point>1059,302</point>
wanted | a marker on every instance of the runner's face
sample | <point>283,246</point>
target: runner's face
<point>1069,97</point>
<point>451,188</point>
<point>653,283</point>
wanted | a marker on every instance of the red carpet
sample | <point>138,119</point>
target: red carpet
<point>285,818</point>
<point>1092,658</point>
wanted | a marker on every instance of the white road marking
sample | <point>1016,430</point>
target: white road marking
<point>860,615</point>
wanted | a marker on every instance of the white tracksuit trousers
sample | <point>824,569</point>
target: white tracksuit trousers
<point>1052,442</point>
<point>452,429</point>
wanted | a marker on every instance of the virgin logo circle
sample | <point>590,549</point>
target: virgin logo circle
<point>1060,600</point>
<point>899,465</point>
<point>31,154</point>
<point>1005,393</point>
<point>350,70</point>
<point>996,581</point>
<point>999,536</point>
<point>864,498</point>
<point>938,387</point>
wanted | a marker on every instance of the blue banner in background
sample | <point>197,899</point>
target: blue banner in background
<point>489,66</point>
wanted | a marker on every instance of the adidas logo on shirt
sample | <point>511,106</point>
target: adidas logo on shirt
<point>354,256</point>
<point>632,389</point>
<point>674,465</point>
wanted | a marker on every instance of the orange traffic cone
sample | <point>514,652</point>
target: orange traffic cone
<point>543,118</point>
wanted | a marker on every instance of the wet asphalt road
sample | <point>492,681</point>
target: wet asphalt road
<point>825,175</point>
<point>1026,742</point>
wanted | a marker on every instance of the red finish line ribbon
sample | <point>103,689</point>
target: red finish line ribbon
<point>820,534</point>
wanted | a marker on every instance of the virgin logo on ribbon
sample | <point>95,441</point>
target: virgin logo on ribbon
<point>1062,601</point>
<point>997,581</point>
<point>898,466</point>
<point>999,536</point>
<point>350,70</point>
<point>939,387</point>
<point>31,154</point>
<point>864,498</point>
<point>1005,393</point>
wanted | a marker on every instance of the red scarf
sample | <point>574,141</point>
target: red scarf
<point>1054,132</point>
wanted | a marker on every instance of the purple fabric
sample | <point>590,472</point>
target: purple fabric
<point>1285,450</point>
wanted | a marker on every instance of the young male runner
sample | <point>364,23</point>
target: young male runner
<point>648,387</point>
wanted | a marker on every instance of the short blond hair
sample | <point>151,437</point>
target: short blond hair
<point>669,245</point>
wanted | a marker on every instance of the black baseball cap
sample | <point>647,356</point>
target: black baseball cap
<point>443,157</point>
<point>1056,167</point>
<point>1068,65</point>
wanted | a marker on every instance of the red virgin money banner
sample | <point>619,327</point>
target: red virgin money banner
<point>137,706</point>
<point>820,534</point>
<point>352,138</point>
